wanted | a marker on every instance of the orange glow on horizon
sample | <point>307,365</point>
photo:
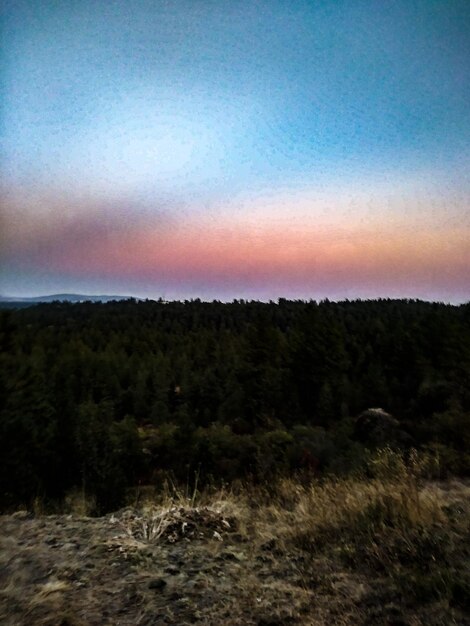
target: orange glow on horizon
<point>304,244</point>
<point>211,252</point>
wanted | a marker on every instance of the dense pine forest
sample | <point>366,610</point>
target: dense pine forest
<point>103,397</point>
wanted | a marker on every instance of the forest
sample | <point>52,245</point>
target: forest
<point>104,397</point>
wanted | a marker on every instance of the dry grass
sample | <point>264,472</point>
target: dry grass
<point>385,546</point>
<point>392,523</point>
<point>78,503</point>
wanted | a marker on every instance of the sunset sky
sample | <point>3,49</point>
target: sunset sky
<point>236,149</point>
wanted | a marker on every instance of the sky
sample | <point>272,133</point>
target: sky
<point>222,149</point>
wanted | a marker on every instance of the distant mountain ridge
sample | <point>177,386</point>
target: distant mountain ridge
<point>63,297</point>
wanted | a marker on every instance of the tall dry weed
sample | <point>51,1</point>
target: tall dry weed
<point>388,495</point>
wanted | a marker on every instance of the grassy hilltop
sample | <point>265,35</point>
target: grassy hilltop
<point>389,548</point>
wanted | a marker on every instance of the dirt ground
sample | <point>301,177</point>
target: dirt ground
<point>185,566</point>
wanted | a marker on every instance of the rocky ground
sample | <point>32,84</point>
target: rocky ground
<point>185,565</point>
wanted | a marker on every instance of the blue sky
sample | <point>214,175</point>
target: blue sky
<point>348,119</point>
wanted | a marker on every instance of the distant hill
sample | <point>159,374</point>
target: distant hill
<point>63,297</point>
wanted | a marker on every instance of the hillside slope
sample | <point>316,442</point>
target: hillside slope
<point>378,558</point>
